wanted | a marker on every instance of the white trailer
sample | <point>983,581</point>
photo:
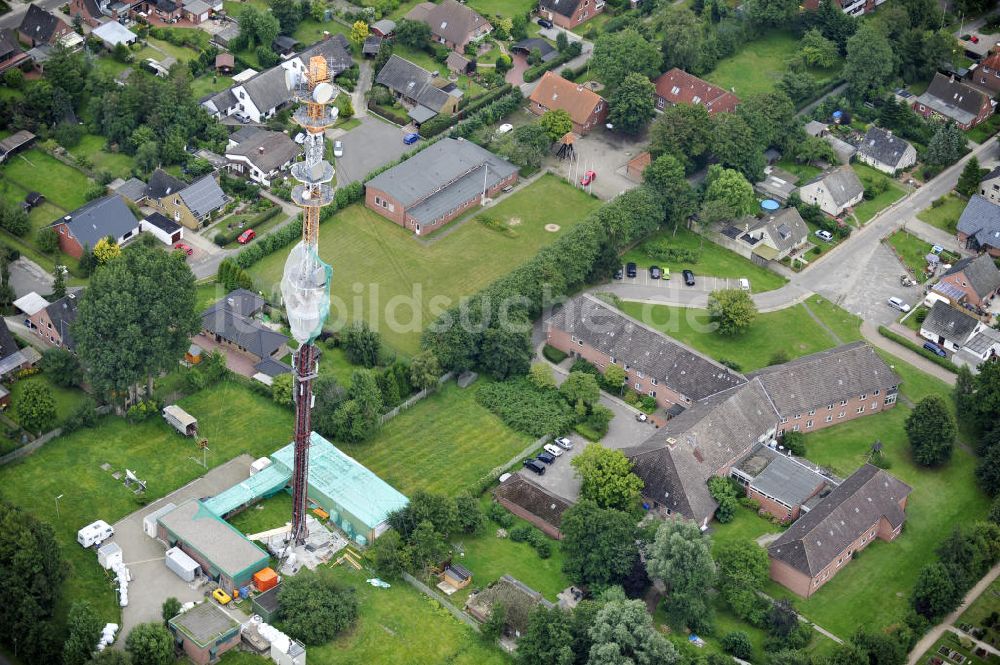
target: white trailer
<point>95,533</point>
<point>109,554</point>
<point>181,564</point>
<point>181,420</point>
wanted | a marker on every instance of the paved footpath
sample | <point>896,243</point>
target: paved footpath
<point>875,338</point>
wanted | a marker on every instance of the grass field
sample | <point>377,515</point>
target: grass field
<point>310,32</point>
<point>865,210</point>
<point>34,170</point>
<point>181,53</point>
<point>506,8</point>
<point>377,264</point>
<point>270,513</point>
<point>209,83</point>
<point>759,65</point>
<point>981,132</point>
<point>715,261</point>
<point>70,466</point>
<point>804,172</point>
<point>945,216</point>
<point>66,399</point>
<point>91,147</point>
<point>985,605</point>
<point>913,251</point>
<point>40,216</point>
<point>443,444</point>
<point>791,331</point>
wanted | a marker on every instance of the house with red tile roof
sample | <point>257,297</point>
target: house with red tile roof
<point>587,108</point>
<point>679,87</point>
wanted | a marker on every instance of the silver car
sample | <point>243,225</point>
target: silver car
<point>564,443</point>
<point>555,451</point>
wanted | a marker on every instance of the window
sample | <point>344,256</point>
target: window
<point>798,415</point>
<point>784,420</point>
<point>675,90</point>
<point>580,342</point>
<point>640,375</point>
<point>861,409</point>
<point>652,393</point>
<point>842,414</point>
<point>812,412</point>
<point>829,407</point>
<point>795,427</point>
<point>654,382</point>
<point>890,399</point>
<point>877,391</point>
<point>809,424</point>
<point>572,337</point>
<point>843,402</point>
<point>613,361</point>
<point>696,100</point>
<point>829,419</point>
<point>874,405</point>
<point>864,396</point>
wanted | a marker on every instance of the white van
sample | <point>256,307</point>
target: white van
<point>94,534</point>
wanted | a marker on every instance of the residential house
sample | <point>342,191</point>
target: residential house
<point>989,186</point>
<point>532,502</point>
<point>834,191</point>
<point>163,229</point>
<point>438,184</point>
<point>869,504</point>
<point>196,11</point>
<point>114,33</point>
<point>568,14</point>
<point>768,238</point>
<point>977,277</point>
<point>162,184</point>
<point>51,321</point>
<point>841,148</point>
<point>260,97</point>
<point>262,155</point>
<point>194,204</point>
<point>41,27</point>
<point>949,327</point>
<point>706,440</point>
<point>517,598</point>
<point>451,22</point>
<point>655,365</point>
<point>982,346</point>
<point>90,12</point>
<point>950,99</point>
<point>232,324</point>
<point>783,485</point>
<point>425,93</point>
<point>133,190</point>
<point>586,108</point>
<point>678,87</point>
<point>829,387</point>
<point>11,54</point>
<point>986,74</point>
<point>979,225</point>
<point>885,152</point>
<point>12,357</point>
<point>105,217</point>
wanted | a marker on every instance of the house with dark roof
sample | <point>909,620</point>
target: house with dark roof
<point>829,387</point>
<point>678,87</point>
<point>232,324</point>
<point>834,191</point>
<point>163,184</point>
<point>869,504</point>
<point>11,54</point>
<point>986,75</point>
<point>568,14</point>
<point>949,327</point>
<point>655,364</point>
<point>948,98</point>
<point>532,502</point>
<point>51,321</point>
<point>105,217</point>
<point>885,152</point>
<point>371,46</point>
<point>41,27</point>
<point>517,598</point>
<point>452,23</point>
<point>133,190</point>
<point>438,184</point>
<point>525,47</point>
<point>586,108</point>
<point>193,205</point>
<point>261,156</point>
<point>783,485</point>
<point>979,226</point>
<point>426,94</point>
<point>706,440</point>
<point>90,11</point>
<point>989,186</point>
<point>768,238</point>
<point>976,277</point>
<point>12,358</point>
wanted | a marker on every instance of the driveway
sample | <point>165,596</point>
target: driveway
<point>862,282</point>
<point>152,582</point>
<point>606,153</point>
<point>27,276</point>
<point>236,362</point>
<point>368,146</point>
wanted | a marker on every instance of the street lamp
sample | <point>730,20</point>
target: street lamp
<point>57,506</point>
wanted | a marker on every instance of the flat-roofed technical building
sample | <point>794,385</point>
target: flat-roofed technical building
<point>205,632</point>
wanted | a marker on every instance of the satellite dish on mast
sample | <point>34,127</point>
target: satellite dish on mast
<point>323,93</point>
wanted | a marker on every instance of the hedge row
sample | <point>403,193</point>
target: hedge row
<point>470,105</point>
<point>489,114</point>
<point>933,357</point>
<point>534,73</point>
<point>223,238</point>
<point>388,114</point>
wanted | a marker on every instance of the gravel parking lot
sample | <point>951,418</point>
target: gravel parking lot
<point>368,146</point>
<point>868,295</point>
<point>606,153</point>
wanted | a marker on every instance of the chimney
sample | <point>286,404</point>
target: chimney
<point>260,150</point>
<point>579,88</point>
<point>326,35</point>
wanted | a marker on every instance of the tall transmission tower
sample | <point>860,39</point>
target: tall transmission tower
<point>305,283</point>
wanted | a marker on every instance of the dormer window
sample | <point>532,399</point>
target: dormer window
<point>675,90</point>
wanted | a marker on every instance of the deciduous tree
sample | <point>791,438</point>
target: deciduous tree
<point>83,630</point>
<point>730,188</point>
<point>665,177</point>
<point>288,13</point>
<point>736,146</point>
<point>618,54</point>
<point>623,634</point>
<point>680,556</point>
<point>870,64</point>
<point>62,367</point>
<point>424,370</point>
<point>171,607</point>
<point>36,407</point>
<point>934,594</point>
<point>415,34</point>
<point>743,571</point>
<point>683,43</point>
<point>548,638</point>
<point>733,310</point>
<point>557,123</point>
<point>359,32</point>
<point>150,644</point>
<point>362,344</point>
<point>931,431</point>
<point>607,477</point>
<point>685,131</point>
<point>314,608</point>
<point>632,104</point>
<point>598,544</point>
<point>817,50</point>
<point>580,387</point>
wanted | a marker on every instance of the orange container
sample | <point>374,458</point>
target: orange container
<point>265,579</point>
<point>320,513</point>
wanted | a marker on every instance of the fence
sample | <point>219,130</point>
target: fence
<point>31,447</point>
<point>445,603</point>
<point>414,399</point>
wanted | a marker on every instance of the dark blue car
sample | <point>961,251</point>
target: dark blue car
<point>411,138</point>
<point>935,349</point>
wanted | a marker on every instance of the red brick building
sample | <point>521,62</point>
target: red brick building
<point>51,321</point>
<point>987,73</point>
<point>83,228</point>
<point>586,108</point>
<point>438,184</point>
<point>977,277</point>
<point>783,485</point>
<point>205,632</point>
<point>951,99</point>
<point>870,504</point>
<point>678,87</point>
<point>570,13</point>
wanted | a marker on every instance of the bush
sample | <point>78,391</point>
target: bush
<point>142,410</point>
<point>737,644</point>
<point>552,354</point>
<point>543,549</point>
<point>661,250</point>
<point>933,357</point>
<point>526,409</point>
<point>500,515</point>
<point>83,415</point>
<point>521,533</point>
<point>795,442</point>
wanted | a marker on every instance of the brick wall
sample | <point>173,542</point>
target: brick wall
<point>958,280</point>
<point>779,510</point>
<point>818,416</point>
<point>67,243</point>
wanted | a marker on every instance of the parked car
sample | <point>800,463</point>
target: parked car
<point>534,465</point>
<point>545,23</point>
<point>641,417</point>
<point>553,449</point>
<point>897,303</point>
<point>619,273</point>
<point>824,235</point>
<point>546,457</point>
<point>630,270</point>
<point>588,177</point>
<point>688,277</point>
<point>504,129</point>
<point>246,236</point>
<point>564,443</point>
<point>222,597</point>
<point>338,149</point>
<point>974,39</point>
<point>242,118</point>
<point>935,349</point>
<point>411,138</point>
<point>655,272</point>
<point>184,248</point>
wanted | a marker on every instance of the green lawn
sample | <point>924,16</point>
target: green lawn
<point>913,251</point>
<point>790,330</point>
<point>985,605</point>
<point>309,31</point>
<point>270,513</point>
<point>715,261</point>
<point>209,83</point>
<point>425,60</point>
<point>945,216</point>
<point>804,172</point>
<point>865,210</point>
<point>181,53</point>
<point>444,443</point>
<point>117,164</point>
<point>34,170</point>
<point>375,261</point>
<point>759,65</point>
<point>66,399</point>
<point>70,466</point>
<point>334,361</point>
<point>981,132</point>
<point>40,216</point>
